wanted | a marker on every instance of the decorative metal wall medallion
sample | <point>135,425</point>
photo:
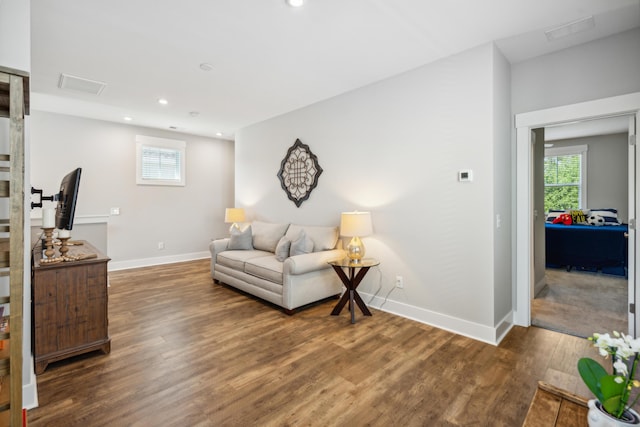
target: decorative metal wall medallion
<point>299,172</point>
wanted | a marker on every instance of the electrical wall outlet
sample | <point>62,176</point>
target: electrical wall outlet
<point>160,245</point>
<point>399,282</point>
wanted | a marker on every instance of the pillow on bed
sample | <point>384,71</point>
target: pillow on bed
<point>610,216</point>
<point>552,215</point>
<point>579,216</point>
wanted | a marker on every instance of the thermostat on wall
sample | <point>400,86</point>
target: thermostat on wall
<point>465,175</point>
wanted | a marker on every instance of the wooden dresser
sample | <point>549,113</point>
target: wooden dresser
<point>70,306</point>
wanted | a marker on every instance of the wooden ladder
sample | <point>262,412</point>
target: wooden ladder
<point>14,104</point>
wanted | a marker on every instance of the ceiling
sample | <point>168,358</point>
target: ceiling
<point>267,58</point>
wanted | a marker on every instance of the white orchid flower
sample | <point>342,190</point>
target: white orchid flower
<point>620,368</point>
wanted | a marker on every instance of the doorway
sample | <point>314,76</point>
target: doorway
<point>524,253</point>
<point>580,284</point>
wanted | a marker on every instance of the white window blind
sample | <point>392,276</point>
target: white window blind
<point>160,161</point>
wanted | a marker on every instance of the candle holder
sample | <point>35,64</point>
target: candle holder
<point>48,242</point>
<point>63,246</point>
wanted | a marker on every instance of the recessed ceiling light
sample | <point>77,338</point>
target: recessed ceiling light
<point>127,118</point>
<point>218,133</point>
<point>295,3</point>
<point>205,66</point>
<point>163,101</point>
<point>173,127</point>
<point>194,113</point>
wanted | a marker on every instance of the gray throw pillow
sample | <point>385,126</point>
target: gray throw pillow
<point>240,240</point>
<point>302,245</point>
<point>282,249</point>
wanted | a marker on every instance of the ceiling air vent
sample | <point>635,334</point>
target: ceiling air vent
<point>79,84</point>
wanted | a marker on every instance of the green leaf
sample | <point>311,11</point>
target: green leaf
<point>592,373</point>
<point>611,393</point>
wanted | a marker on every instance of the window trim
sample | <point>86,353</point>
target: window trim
<point>143,141</point>
<point>570,150</point>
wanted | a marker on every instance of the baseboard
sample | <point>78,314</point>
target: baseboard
<point>539,285</point>
<point>148,262</point>
<point>30,389</point>
<point>476,331</point>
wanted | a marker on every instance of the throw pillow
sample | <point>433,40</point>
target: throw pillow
<point>240,239</point>
<point>610,215</point>
<point>302,245</point>
<point>266,235</point>
<point>282,249</point>
<point>578,216</point>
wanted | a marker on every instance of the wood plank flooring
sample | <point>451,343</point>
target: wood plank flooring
<point>186,352</point>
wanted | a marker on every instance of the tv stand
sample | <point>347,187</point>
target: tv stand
<point>70,305</point>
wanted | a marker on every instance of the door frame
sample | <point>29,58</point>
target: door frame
<point>525,123</point>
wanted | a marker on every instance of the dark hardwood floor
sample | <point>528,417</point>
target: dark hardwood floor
<point>186,352</point>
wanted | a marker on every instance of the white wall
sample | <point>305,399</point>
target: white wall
<point>599,69</point>
<point>503,295</point>
<point>15,34</point>
<point>184,218</point>
<point>395,148</point>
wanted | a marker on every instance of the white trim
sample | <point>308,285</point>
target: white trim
<point>525,122</point>
<point>476,331</point>
<point>29,390</point>
<point>148,262</point>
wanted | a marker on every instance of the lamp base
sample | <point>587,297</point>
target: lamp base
<point>355,250</point>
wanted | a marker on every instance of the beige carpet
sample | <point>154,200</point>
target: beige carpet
<point>581,303</point>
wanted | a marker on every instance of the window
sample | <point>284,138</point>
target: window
<point>565,178</point>
<point>160,161</point>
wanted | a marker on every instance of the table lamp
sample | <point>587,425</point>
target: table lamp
<point>234,215</point>
<point>355,225</point>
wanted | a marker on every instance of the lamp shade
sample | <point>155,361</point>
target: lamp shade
<point>355,224</point>
<point>233,215</point>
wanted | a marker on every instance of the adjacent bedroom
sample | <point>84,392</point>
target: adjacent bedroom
<point>581,239</point>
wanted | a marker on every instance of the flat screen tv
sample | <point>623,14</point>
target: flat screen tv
<point>67,197</point>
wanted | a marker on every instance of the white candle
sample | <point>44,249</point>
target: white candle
<point>62,234</point>
<point>48,218</point>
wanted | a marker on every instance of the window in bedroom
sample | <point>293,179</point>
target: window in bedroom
<point>160,161</point>
<point>565,177</point>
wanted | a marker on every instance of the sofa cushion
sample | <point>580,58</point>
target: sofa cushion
<point>267,268</point>
<point>301,245</point>
<point>282,248</point>
<point>237,259</point>
<point>240,240</point>
<point>266,235</point>
<point>324,238</point>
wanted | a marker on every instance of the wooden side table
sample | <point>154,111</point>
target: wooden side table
<point>351,282</point>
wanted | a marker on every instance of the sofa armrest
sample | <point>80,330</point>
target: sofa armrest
<point>300,264</point>
<point>218,245</point>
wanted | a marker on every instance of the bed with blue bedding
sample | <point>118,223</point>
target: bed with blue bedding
<point>587,247</point>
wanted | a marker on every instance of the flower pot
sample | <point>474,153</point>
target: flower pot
<point>597,417</point>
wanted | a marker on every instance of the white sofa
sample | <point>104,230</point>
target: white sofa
<point>285,264</point>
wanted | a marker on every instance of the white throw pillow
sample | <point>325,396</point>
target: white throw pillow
<point>240,239</point>
<point>302,245</point>
<point>266,235</point>
<point>282,249</point>
<point>324,238</point>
